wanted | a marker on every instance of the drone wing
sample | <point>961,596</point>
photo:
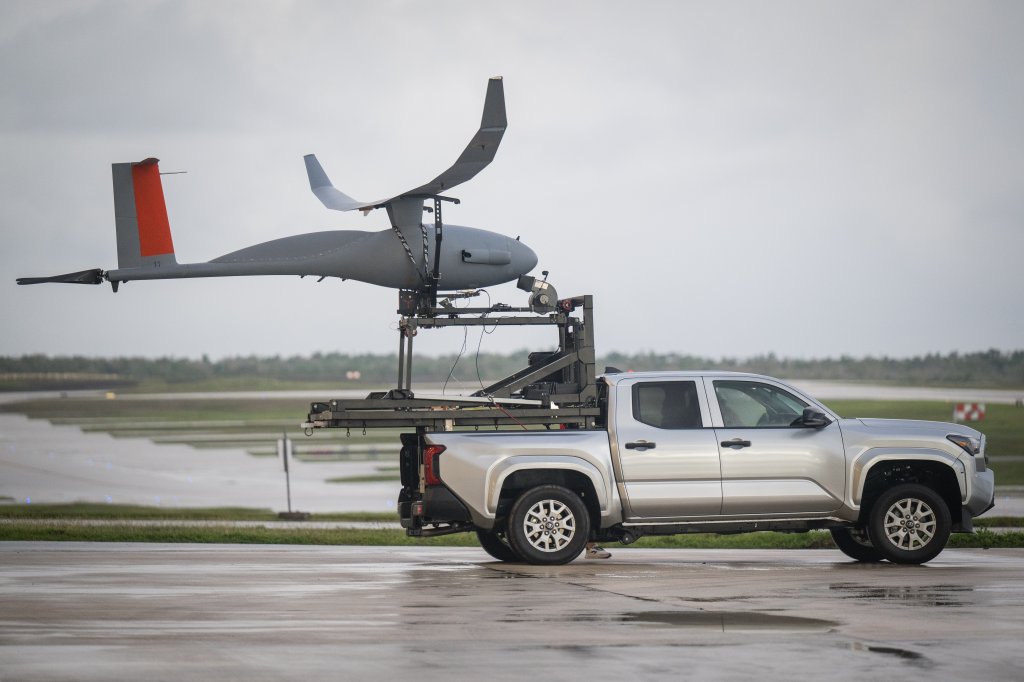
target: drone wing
<point>474,158</point>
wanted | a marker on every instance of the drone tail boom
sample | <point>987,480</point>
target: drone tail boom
<point>140,214</point>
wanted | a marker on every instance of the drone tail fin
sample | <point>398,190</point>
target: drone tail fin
<point>140,214</point>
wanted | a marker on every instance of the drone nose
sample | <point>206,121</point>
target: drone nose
<point>523,257</point>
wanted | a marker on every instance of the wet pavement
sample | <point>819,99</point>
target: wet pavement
<point>77,611</point>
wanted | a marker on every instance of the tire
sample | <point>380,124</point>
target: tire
<point>548,525</point>
<point>909,524</point>
<point>854,543</point>
<point>495,544</point>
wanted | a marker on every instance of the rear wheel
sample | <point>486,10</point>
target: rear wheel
<point>855,543</point>
<point>548,524</point>
<point>909,524</point>
<point>495,544</point>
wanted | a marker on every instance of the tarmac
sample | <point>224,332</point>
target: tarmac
<point>82,611</point>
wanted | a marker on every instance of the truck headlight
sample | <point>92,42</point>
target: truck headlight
<point>971,446</point>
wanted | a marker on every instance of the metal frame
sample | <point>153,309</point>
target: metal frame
<point>558,390</point>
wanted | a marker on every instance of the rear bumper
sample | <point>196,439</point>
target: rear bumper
<point>436,506</point>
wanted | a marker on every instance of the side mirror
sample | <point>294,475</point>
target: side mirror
<point>813,418</point>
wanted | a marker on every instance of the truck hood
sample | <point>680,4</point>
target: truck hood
<point>915,426</point>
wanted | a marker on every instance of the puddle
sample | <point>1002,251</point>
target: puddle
<point>907,655</point>
<point>730,621</point>
<point>712,600</point>
<point>927,595</point>
<point>899,653</point>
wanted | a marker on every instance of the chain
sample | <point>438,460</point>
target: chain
<point>408,251</point>
<point>423,230</point>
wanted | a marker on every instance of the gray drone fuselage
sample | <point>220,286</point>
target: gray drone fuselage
<point>470,258</point>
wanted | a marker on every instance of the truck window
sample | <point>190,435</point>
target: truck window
<point>747,404</point>
<point>667,404</point>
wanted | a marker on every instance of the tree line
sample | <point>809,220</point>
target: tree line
<point>992,368</point>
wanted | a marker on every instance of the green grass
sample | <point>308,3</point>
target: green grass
<point>1003,425</point>
<point>203,409</point>
<point>811,540</point>
<point>999,522</point>
<point>385,474</point>
<point>225,384</point>
<point>251,424</point>
<point>58,531</point>
<point>760,540</point>
<point>56,523</point>
<point>154,385</point>
<point>1008,473</point>
<point>113,512</point>
<point>227,535</point>
<point>368,478</point>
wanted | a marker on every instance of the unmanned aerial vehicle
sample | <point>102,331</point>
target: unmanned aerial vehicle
<point>411,256</point>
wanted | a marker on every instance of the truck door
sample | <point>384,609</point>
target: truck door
<point>770,466</point>
<point>667,452</point>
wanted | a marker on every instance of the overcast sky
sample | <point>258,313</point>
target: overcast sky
<point>727,179</point>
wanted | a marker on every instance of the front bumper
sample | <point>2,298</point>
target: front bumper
<point>983,493</point>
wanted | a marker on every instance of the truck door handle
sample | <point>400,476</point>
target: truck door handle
<point>734,443</point>
<point>640,445</point>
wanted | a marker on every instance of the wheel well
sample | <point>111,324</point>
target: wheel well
<point>936,475</point>
<point>520,481</point>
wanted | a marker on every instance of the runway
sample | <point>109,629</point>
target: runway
<point>71,611</point>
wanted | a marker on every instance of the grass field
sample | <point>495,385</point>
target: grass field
<point>58,531</point>
<point>1003,425</point>
<point>251,424</point>
<point>57,522</point>
<point>114,512</point>
<point>255,424</point>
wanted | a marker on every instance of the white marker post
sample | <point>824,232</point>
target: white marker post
<point>284,451</point>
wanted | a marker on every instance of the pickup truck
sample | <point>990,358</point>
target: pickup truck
<point>686,452</point>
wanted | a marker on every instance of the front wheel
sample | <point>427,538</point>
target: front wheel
<point>854,543</point>
<point>495,544</point>
<point>909,524</point>
<point>548,524</point>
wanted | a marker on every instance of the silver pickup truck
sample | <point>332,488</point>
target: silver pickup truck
<point>721,452</point>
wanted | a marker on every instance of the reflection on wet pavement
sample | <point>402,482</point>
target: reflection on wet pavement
<point>918,660</point>
<point>730,621</point>
<point>916,595</point>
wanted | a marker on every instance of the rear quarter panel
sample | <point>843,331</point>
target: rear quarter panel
<point>475,464</point>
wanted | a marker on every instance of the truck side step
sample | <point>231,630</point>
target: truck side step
<point>439,530</point>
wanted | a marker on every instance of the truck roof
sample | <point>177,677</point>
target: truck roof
<point>615,377</point>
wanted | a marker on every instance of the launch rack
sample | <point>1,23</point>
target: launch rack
<point>557,389</point>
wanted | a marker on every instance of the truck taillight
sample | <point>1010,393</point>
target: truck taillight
<point>431,465</point>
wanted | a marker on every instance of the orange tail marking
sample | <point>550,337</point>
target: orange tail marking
<point>154,228</point>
